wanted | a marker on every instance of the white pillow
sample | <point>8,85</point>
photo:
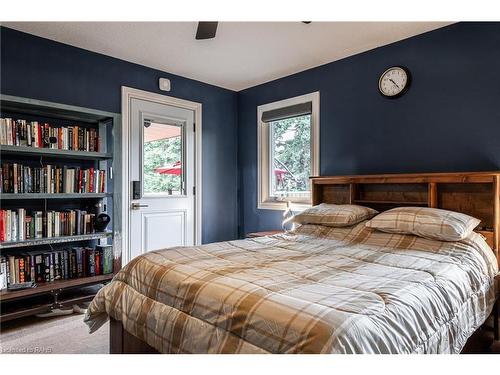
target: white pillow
<point>334,215</point>
<point>425,222</point>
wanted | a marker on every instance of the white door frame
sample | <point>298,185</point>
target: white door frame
<point>128,94</point>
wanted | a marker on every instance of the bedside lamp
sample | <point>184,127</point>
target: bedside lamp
<point>287,218</point>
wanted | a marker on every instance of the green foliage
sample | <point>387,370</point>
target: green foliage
<point>292,152</point>
<point>157,154</point>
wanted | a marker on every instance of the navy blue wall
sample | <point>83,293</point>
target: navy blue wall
<point>38,68</point>
<point>449,120</point>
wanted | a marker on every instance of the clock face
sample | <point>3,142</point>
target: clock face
<point>394,81</point>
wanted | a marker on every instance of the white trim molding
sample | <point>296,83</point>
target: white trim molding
<point>127,95</point>
<point>264,200</point>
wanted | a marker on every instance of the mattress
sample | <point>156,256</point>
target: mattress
<point>315,290</point>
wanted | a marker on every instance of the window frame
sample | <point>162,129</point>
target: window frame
<point>264,199</point>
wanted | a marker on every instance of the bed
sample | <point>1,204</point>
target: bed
<point>319,289</point>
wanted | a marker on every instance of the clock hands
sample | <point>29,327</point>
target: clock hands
<point>390,79</point>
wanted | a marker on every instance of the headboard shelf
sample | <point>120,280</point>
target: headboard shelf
<point>397,203</point>
<point>474,193</point>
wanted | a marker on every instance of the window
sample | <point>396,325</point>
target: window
<point>288,151</point>
<point>163,158</point>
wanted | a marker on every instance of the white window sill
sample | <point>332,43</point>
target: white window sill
<point>281,206</point>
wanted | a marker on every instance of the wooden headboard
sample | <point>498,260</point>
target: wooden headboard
<point>474,193</point>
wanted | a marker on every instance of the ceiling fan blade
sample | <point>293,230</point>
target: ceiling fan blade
<point>206,30</point>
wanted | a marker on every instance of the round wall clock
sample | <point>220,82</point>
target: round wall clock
<point>394,82</point>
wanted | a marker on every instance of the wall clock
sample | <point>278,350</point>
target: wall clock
<point>394,82</point>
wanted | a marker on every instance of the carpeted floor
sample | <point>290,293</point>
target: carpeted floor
<point>60,335</point>
<point>69,335</point>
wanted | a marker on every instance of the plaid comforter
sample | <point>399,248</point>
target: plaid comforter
<point>317,290</point>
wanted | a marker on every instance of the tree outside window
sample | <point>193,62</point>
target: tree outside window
<point>291,157</point>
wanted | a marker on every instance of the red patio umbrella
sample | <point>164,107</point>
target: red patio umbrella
<point>279,173</point>
<point>174,169</point>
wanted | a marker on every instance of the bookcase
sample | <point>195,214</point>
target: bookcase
<point>66,181</point>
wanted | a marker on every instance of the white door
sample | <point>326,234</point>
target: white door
<point>162,176</point>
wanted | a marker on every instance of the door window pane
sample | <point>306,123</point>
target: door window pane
<point>290,158</point>
<point>162,159</point>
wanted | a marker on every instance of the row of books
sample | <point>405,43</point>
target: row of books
<point>43,135</point>
<point>51,265</point>
<point>20,225</point>
<point>19,178</point>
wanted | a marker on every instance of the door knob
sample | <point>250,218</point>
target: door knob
<point>136,206</point>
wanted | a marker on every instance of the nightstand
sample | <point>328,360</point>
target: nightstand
<point>263,234</point>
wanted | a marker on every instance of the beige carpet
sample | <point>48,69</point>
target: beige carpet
<point>61,335</point>
<point>69,335</point>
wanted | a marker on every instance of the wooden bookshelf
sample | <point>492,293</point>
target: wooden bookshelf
<point>43,288</point>
<point>54,240</point>
<point>53,288</point>
<point>23,302</point>
<point>54,153</point>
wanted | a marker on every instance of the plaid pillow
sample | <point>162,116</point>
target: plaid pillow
<point>433,223</point>
<point>334,215</point>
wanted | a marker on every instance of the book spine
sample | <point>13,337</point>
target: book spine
<point>91,262</point>
<point>21,270</point>
<point>12,270</point>
<point>79,262</point>
<point>3,273</point>
<point>39,268</point>
<point>2,225</point>
<point>16,270</point>
<point>73,273</point>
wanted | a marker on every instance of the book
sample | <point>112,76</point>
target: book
<point>57,265</point>
<point>12,267</point>
<point>90,254</point>
<point>107,256</point>
<point>24,133</point>
<point>98,260</point>
<point>61,264</point>
<point>3,273</point>
<point>21,178</point>
<point>73,273</point>
<point>20,225</point>
<point>79,261</point>
<point>47,260</point>
<point>39,272</point>
<point>2,226</point>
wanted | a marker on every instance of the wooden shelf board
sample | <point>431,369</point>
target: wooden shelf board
<point>12,196</point>
<point>18,104</point>
<point>42,308</point>
<point>390,202</point>
<point>54,240</point>
<point>28,311</point>
<point>67,154</point>
<point>43,288</point>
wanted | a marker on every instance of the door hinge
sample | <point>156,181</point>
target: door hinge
<point>194,190</point>
<point>194,127</point>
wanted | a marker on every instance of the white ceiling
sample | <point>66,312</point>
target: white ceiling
<point>242,55</point>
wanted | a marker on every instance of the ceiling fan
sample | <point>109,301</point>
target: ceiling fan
<point>207,30</point>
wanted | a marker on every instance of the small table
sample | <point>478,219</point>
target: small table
<point>263,234</point>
